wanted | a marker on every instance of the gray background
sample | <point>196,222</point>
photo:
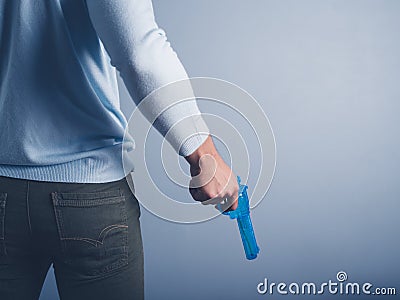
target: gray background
<point>327,74</point>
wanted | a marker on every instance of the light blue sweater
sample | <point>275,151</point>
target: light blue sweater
<point>60,118</point>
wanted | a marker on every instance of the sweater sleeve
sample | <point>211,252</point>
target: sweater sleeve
<point>141,53</point>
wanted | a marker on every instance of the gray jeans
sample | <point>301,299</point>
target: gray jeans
<point>89,232</point>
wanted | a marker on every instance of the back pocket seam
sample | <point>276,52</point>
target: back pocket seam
<point>3,199</point>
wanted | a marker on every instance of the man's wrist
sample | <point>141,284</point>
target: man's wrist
<point>207,148</point>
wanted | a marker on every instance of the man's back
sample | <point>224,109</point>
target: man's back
<point>59,106</point>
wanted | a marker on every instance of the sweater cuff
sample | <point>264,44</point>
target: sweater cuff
<point>188,134</point>
<point>192,143</point>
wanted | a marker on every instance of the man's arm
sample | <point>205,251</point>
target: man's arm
<point>140,51</point>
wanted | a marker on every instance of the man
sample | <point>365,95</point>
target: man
<point>64,198</point>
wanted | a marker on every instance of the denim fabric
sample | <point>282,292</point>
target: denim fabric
<point>90,232</point>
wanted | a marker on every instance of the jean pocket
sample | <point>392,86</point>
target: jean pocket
<point>93,231</point>
<point>3,198</point>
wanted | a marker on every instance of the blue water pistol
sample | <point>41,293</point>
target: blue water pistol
<point>242,216</point>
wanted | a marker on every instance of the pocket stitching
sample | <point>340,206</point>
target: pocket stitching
<point>98,241</point>
<point>80,196</point>
<point>3,199</point>
<point>60,199</point>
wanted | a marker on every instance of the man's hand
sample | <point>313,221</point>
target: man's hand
<point>212,180</point>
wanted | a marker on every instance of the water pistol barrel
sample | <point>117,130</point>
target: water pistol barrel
<point>242,216</point>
